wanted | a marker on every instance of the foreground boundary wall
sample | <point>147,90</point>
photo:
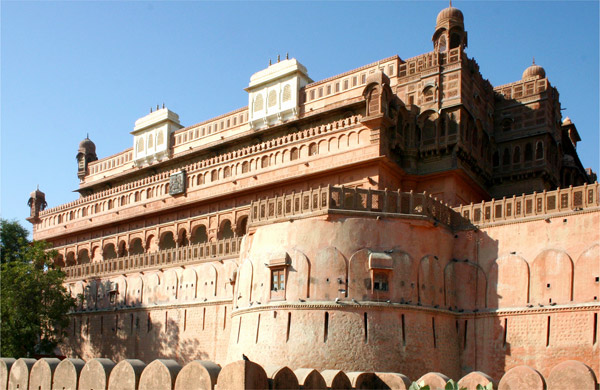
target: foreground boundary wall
<point>101,373</point>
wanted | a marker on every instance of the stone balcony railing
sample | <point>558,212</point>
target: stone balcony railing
<point>188,254</point>
<point>538,204</point>
<point>332,199</point>
<point>324,200</point>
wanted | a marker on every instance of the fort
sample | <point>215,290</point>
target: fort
<point>403,217</point>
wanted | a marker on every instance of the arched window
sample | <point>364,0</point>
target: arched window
<point>241,227</point>
<point>59,261</point>
<point>213,175</point>
<point>140,145</point>
<point>150,140</point>
<point>294,154</point>
<point>70,259</point>
<point>442,43</point>
<point>272,98</point>
<point>312,149</point>
<point>454,40</point>
<point>122,249</point>
<point>160,139</point>
<point>136,197</point>
<point>200,180</point>
<point>264,162</point>
<point>258,103</point>
<point>245,167</point>
<point>539,150</point>
<point>287,93</point>
<point>506,124</point>
<point>517,155</point>
<point>136,247</point>
<point>199,235</point>
<point>149,193</point>
<point>183,238</point>
<point>428,94</point>
<point>110,204</point>
<point>83,257</point>
<point>227,172</point>
<point>429,129</point>
<point>167,241</point>
<point>109,252</point>
<point>528,152</point>
<point>225,231</point>
<point>506,157</point>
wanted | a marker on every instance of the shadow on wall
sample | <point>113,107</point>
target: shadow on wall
<point>146,334</point>
<point>470,287</point>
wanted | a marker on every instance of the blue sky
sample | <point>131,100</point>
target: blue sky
<point>72,68</point>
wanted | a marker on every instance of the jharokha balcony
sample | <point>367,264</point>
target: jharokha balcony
<point>189,254</point>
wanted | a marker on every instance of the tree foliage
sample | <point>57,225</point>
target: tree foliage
<point>33,301</point>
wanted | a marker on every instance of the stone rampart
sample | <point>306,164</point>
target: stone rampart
<point>244,374</point>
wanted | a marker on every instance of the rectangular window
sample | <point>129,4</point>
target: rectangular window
<point>277,283</point>
<point>380,281</point>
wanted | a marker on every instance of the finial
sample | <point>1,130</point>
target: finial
<point>533,60</point>
<point>163,104</point>
<point>150,109</point>
<point>450,3</point>
<point>87,135</point>
<point>278,59</point>
<point>157,107</point>
<point>38,187</point>
<point>269,62</point>
<point>287,55</point>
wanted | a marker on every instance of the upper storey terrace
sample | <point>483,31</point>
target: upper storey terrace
<point>421,117</point>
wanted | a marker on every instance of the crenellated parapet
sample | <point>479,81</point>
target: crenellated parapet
<point>247,374</point>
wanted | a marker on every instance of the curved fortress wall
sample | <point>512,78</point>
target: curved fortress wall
<point>367,292</point>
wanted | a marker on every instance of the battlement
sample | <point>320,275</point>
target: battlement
<point>102,373</point>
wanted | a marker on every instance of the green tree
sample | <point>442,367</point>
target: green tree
<point>33,301</point>
<point>13,237</point>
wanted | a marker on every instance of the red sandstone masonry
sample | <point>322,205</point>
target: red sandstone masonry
<point>166,374</point>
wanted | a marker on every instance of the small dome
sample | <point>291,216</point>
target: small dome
<point>87,146</point>
<point>534,71</point>
<point>450,13</point>
<point>567,122</point>
<point>37,194</point>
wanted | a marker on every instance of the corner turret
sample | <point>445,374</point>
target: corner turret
<point>36,203</point>
<point>86,153</point>
<point>449,30</point>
